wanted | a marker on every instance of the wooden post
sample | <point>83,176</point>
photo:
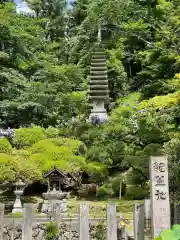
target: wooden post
<point>111,222</point>
<point>27,224</point>
<point>120,189</point>
<point>84,222</point>
<point>2,206</point>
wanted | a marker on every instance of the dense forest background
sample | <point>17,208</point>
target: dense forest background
<point>44,69</point>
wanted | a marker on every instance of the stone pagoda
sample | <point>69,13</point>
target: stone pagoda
<point>98,85</point>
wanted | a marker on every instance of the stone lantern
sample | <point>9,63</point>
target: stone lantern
<point>19,190</point>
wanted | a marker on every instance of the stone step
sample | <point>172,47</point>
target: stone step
<point>100,92</point>
<point>98,87</point>
<point>99,52</point>
<point>99,77</point>
<point>98,64</point>
<point>98,60</point>
<point>98,73</point>
<point>99,68</point>
<point>105,98</point>
<point>98,82</point>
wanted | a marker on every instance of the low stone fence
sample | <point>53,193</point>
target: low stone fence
<point>31,227</point>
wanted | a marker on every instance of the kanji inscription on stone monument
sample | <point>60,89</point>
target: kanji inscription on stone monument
<point>160,207</point>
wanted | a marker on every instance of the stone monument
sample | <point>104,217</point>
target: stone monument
<point>54,197</point>
<point>98,85</point>
<point>19,189</point>
<point>160,205</point>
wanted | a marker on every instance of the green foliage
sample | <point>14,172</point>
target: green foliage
<point>173,234</point>
<point>98,231</point>
<point>136,193</point>
<point>116,184</point>
<point>105,192</point>
<point>97,171</point>
<point>51,231</point>
<point>44,71</point>
<point>52,132</point>
<point>5,146</point>
<point>26,137</point>
<point>40,155</point>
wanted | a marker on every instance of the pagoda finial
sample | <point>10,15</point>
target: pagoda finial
<point>99,33</point>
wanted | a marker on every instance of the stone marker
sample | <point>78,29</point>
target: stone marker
<point>27,224</point>
<point>84,222</point>
<point>160,206</point>
<point>111,222</point>
<point>1,220</point>
<point>138,219</point>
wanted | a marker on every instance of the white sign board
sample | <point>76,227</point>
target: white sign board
<point>160,207</point>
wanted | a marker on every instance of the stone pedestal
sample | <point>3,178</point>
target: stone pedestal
<point>53,200</point>
<point>17,207</point>
<point>49,207</point>
<point>98,113</point>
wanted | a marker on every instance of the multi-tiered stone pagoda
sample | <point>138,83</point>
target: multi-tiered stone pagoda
<point>98,85</point>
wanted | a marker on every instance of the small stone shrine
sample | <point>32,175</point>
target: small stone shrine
<point>54,197</point>
<point>98,85</point>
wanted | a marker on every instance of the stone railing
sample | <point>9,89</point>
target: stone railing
<point>83,227</point>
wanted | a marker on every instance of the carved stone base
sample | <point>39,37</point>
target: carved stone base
<point>17,207</point>
<point>50,207</point>
<point>98,113</point>
<point>98,117</point>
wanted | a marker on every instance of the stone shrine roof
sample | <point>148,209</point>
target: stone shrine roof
<point>56,172</point>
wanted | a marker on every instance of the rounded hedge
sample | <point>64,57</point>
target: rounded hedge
<point>136,193</point>
<point>26,137</point>
<point>5,146</point>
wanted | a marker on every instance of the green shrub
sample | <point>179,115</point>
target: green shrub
<point>25,168</point>
<point>105,192</point>
<point>4,158</point>
<point>136,193</point>
<point>26,137</point>
<point>5,146</point>
<point>96,170</point>
<point>59,152</point>
<point>52,132</point>
<point>72,146</point>
<point>51,231</point>
<point>21,152</point>
<point>173,234</point>
<point>7,172</point>
<point>115,183</point>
